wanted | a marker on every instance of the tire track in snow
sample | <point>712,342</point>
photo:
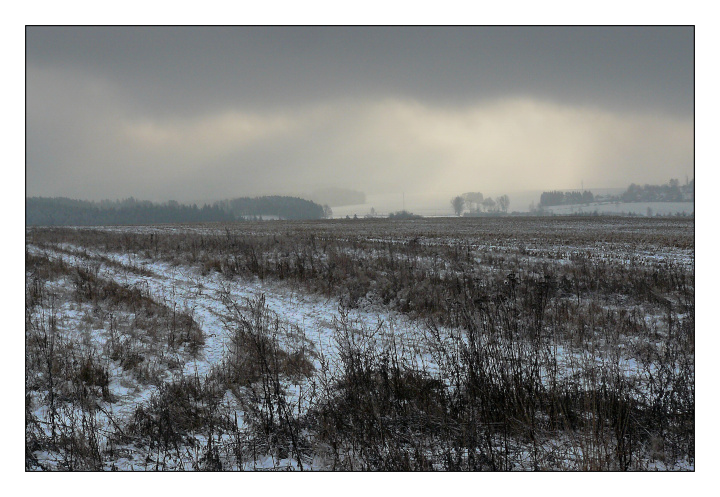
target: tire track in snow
<point>186,289</point>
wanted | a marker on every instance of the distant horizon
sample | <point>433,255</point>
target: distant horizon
<point>193,112</point>
<point>426,204</point>
<point>399,193</point>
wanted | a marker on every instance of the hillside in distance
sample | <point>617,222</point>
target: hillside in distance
<point>60,211</point>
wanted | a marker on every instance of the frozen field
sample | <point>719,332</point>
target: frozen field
<point>505,344</point>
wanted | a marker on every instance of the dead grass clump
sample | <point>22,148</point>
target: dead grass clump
<point>180,409</point>
<point>258,371</point>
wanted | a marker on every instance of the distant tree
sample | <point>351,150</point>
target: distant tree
<point>674,194</point>
<point>403,215</point>
<point>632,193</point>
<point>504,202</point>
<point>458,205</point>
<point>68,212</point>
<point>489,204</point>
<point>554,197</point>
<point>670,192</point>
<point>327,211</point>
<point>688,190</point>
<point>473,200</point>
<point>280,206</point>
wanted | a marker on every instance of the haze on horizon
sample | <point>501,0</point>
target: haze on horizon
<point>190,113</point>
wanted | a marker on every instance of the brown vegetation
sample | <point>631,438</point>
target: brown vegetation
<point>554,343</point>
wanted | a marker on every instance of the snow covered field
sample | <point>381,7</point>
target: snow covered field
<point>203,297</point>
<point>362,345</point>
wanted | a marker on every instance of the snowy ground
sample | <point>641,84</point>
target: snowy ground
<point>204,295</point>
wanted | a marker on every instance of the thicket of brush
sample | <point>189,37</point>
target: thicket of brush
<point>549,350</point>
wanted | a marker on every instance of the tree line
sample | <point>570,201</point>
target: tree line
<point>61,211</point>
<point>275,205</point>
<point>476,203</point>
<point>672,191</point>
<point>556,197</point>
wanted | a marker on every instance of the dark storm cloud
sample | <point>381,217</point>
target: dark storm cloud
<point>173,69</point>
<point>203,113</point>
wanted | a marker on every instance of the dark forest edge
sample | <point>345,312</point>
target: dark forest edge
<point>672,191</point>
<point>61,211</point>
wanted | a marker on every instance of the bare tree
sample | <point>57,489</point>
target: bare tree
<point>458,205</point>
<point>504,202</point>
<point>489,204</point>
<point>473,200</point>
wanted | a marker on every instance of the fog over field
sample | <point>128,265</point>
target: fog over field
<point>199,114</point>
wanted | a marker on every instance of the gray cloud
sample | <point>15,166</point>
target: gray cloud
<point>203,113</point>
<point>172,69</point>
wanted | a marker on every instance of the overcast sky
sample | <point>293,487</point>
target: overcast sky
<point>192,114</point>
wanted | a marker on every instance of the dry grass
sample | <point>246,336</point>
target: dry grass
<point>555,344</point>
